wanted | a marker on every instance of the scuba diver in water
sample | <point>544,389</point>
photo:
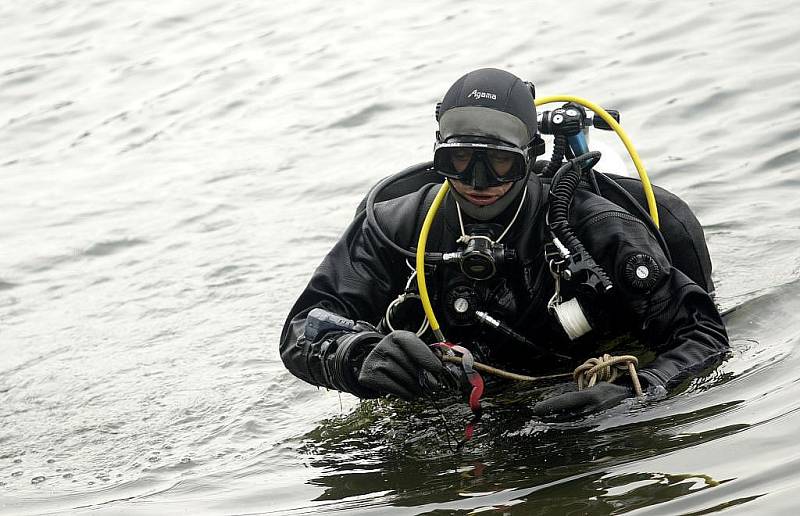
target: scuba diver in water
<point>532,266</point>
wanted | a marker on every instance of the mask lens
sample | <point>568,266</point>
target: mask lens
<point>460,159</point>
<point>452,162</point>
<point>502,163</point>
<point>458,162</point>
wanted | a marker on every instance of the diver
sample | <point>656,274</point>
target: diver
<point>530,266</point>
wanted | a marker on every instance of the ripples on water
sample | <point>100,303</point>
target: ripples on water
<point>171,173</point>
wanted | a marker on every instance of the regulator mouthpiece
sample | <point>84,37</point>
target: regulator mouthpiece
<point>481,257</point>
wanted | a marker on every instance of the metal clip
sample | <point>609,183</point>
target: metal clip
<point>555,271</point>
<point>408,293</point>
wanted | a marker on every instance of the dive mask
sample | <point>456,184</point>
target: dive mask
<point>479,163</point>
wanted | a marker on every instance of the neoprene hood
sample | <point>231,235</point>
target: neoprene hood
<point>489,103</point>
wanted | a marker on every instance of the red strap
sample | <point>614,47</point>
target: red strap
<point>475,379</point>
<point>477,391</point>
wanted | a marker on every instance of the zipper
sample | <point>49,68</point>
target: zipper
<point>612,214</point>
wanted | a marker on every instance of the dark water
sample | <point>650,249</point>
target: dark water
<point>171,173</point>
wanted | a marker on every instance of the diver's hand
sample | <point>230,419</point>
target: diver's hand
<point>453,379</point>
<point>398,365</point>
<point>572,405</point>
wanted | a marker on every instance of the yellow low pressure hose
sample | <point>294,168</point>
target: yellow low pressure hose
<point>648,188</point>
<point>423,240</point>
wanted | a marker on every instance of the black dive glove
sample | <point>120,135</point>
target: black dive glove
<point>401,364</point>
<point>572,405</point>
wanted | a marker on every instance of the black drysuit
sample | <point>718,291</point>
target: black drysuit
<point>678,327</point>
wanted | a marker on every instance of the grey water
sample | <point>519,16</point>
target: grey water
<point>172,172</point>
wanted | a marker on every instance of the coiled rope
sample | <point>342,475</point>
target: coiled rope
<point>607,368</point>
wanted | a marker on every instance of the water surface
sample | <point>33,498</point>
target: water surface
<point>171,174</point>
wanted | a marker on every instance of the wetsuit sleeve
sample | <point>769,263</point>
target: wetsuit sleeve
<point>677,318</point>
<point>354,281</point>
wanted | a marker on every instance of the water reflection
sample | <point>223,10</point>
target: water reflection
<point>398,454</point>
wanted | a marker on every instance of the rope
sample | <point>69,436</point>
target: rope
<point>501,373</point>
<point>607,368</point>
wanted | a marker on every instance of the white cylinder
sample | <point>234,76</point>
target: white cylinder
<point>572,319</point>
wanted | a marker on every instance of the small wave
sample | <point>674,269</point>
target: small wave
<point>201,218</point>
<point>360,118</point>
<point>112,246</point>
<point>22,69</point>
<point>782,161</point>
<point>225,271</point>
<point>97,249</point>
<point>718,100</point>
